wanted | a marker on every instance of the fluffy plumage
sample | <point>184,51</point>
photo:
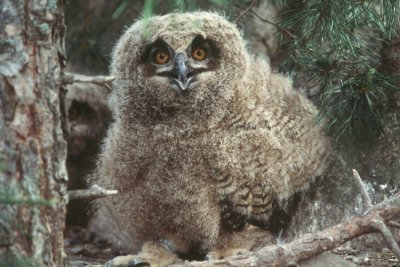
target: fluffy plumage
<point>193,167</point>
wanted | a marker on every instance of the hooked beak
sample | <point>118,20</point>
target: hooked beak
<point>183,75</point>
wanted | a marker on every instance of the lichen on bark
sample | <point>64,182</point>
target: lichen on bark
<point>32,146</point>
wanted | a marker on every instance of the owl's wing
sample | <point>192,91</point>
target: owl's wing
<point>241,165</point>
<point>269,147</point>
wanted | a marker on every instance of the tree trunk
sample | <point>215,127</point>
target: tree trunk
<point>32,146</point>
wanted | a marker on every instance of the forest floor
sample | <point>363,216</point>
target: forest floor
<point>84,249</point>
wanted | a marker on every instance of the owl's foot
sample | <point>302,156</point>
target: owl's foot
<point>235,243</point>
<point>152,254</point>
<point>127,261</point>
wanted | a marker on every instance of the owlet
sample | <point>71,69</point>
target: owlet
<point>205,141</point>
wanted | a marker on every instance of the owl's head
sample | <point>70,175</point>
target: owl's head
<point>181,63</point>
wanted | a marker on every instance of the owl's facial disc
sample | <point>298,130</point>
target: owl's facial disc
<point>181,68</point>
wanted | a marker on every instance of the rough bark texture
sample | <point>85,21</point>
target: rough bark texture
<point>32,146</point>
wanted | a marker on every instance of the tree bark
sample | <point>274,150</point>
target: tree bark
<point>32,146</point>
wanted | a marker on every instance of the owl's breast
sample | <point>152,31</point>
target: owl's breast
<point>182,190</point>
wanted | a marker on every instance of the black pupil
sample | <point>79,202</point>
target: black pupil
<point>160,56</point>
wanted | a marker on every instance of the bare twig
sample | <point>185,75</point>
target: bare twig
<point>380,226</point>
<point>70,78</point>
<point>244,11</point>
<point>273,24</point>
<point>312,244</point>
<point>393,224</point>
<point>94,192</point>
<point>363,191</point>
<point>377,223</point>
<point>263,20</point>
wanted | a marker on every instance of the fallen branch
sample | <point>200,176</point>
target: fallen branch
<point>393,224</point>
<point>93,192</point>
<point>312,244</point>
<point>380,226</point>
<point>70,78</point>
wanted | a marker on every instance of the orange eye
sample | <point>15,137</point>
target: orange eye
<point>199,54</point>
<point>161,57</point>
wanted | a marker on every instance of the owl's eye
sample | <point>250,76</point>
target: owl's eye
<point>199,54</point>
<point>161,57</point>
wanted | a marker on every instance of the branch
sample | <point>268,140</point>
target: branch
<point>274,24</point>
<point>393,224</point>
<point>247,9</point>
<point>94,192</point>
<point>70,78</point>
<point>312,244</point>
<point>363,190</point>
<point>380,226</point>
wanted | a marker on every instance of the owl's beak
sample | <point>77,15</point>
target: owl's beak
<point>183,72</point>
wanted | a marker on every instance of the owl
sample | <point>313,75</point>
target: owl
<point>206,142</point>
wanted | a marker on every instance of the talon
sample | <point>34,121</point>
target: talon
<point>138,263</point>
<point>127,261</point>
<point>109,264</point>
<point>209,257</point>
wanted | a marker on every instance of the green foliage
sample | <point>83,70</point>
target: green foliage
<point>175,6</point>
<point>281,3</point>
<point>336,44</point>
<point>120,9</point>
<point>389,12</point>
<point>221,3</point>
<point>148,8</point>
